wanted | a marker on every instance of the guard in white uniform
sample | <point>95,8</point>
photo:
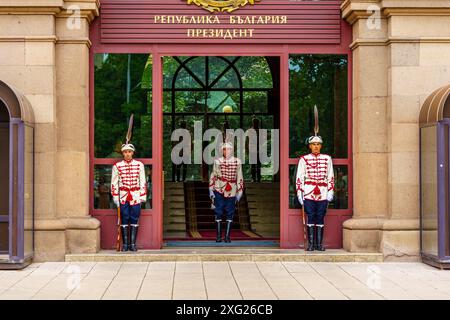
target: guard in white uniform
<point>226,186</point>
<point>315,189</point>
<point>129,190</point>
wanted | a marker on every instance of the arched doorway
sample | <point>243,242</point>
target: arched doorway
<point>16,179</point>
<point>4,181</point>
<point>434,121</point>
<point>202,93</point>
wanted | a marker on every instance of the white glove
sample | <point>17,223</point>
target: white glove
<point>300,198</point>
<point>116,202</point>
<point>330,196</point>
<point>211,194</point>
<point>238,196</point>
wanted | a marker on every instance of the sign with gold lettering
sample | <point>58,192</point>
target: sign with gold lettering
<point>226,21</point>
<point>221,5</point>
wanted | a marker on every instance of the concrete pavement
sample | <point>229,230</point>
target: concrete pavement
<point>225,280</point>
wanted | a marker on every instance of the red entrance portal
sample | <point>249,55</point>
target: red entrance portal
<point>110,34</point>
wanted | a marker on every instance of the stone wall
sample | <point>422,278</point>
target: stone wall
<point>44,53</point>
<point>397,65</point>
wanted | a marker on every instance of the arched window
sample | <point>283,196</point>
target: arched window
<point>197,88</point>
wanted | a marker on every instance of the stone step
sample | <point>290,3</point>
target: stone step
<point>263,187</point>
<point>169,203</point>
<point>255,218</point>
<point>265,227</point>
<point>176,219</point>
<point>263,202</point>
<point>226,254</point>
<point>175,234</point>
<point>264,208</point>
<point>262,184</point>
<point>264,220</point>
<point>173,184</point>
<point>262,199</point>
<point>173,191</point>
<point>174,198</point>
<point>260,190</point>
<point>175,226</point>
<point>263,212</point>
<point>212,225</point>
<point>262,195</point>
<point>175,211</point>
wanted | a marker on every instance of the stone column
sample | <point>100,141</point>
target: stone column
<point>370,159</point>
<point>72,114</point>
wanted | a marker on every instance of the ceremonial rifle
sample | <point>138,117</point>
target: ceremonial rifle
<point>119,219</point>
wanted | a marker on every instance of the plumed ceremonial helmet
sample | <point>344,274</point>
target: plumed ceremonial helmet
<point>314,139</point>
<point>128,146</point>
<point>227,145</point>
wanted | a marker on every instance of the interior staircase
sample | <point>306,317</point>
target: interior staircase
<point>187,209</point>
<point>263,200</point>
<point>199,214</point>
<point>174,210</point>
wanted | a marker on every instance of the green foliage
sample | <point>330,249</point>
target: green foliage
<point>318,80</point>
<point>112,109</point>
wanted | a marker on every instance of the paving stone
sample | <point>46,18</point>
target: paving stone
<point>225,280</point>
<point>250,281</point>
<point>284,285</point>
<point>318,287</point>
<point>219,281</point>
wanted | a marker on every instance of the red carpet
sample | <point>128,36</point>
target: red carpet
<point>211,235</point>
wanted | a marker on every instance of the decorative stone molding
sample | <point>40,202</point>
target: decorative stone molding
<point>86,223</point>
<point>84,41</point>
<point>364,224</point>
<point>352,10</point>
<point>28,39</point>
<point>386,42</point>
<point>88,9</point>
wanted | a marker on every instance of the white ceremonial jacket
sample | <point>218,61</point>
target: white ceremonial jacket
<point>315,177</point>
<point>226,177</point>
<point>128,182</point>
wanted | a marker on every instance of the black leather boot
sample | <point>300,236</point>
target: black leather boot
<point>218,231</point>
<point>319,239</point>
<point>228,231</point>
<point>310,230</point>
<point>134,230</point>
<point>125,239</point>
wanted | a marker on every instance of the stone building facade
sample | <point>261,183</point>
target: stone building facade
<point>398,60</point>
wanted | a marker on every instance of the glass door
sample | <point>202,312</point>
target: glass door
<point>321,80</point>
<point>122,86</point>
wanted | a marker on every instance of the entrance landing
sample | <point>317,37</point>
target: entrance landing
<point>226,254</point>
